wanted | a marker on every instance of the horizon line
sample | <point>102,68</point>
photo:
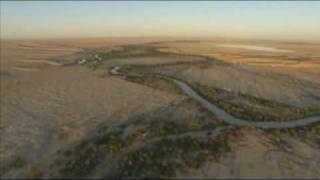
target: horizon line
<point>164,36</point>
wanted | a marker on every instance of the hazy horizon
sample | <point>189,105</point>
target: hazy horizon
<point>248,20</point>
<point>160,89</point>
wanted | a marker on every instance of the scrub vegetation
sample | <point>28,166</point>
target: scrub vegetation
<point>140,138</point>
<point>67,114</point>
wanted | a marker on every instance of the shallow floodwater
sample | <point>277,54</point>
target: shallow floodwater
<point>255,47</point>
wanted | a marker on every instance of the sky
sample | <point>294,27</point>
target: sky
<point>244,19</point>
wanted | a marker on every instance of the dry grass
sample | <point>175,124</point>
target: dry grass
<point>253,155</point>
<point>46,106</point>
<point>304,58</point>
<point>286,77</point>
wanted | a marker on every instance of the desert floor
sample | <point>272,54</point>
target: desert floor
<point>63,114</point>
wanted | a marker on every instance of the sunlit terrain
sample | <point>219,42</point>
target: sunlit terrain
<point>160,107</point>
<point>160,89</point>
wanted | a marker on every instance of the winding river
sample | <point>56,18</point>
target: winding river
<point>228,118</point>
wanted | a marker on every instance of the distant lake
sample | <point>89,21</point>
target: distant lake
<point>256,48</point>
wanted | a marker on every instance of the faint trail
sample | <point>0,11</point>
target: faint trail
<point>228,118</point>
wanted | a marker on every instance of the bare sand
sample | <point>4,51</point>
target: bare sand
<point>46,106</point>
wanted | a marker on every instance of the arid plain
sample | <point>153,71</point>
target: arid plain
<point>160,107</point>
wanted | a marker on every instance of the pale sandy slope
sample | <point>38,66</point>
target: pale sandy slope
<point>256,81</point>
<point>44,106</point>
<point>31,55</point>
<point>43,110</point>
<point>291,77</point>
<point>254,155</point>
